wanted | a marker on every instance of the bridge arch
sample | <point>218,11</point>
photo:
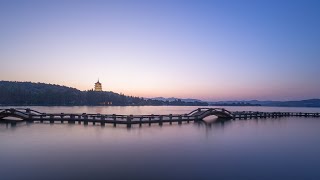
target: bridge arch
<point>202,113</point>
<point>13,113</point>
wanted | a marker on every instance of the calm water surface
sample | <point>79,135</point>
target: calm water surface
<point>281,148</point>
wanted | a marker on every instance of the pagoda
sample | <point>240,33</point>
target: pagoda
<point>98,86</point>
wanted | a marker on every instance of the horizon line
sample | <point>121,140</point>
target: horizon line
<point>168,97</point>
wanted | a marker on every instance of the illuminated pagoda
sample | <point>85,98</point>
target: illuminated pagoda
<point>98,86</point>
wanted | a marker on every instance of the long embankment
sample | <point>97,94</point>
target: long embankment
<point>13,116</point>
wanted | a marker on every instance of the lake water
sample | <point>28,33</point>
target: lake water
<point>279,148</point>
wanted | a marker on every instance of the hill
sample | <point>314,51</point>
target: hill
<point>29,93</point>
<point>175,99</point>
<point>301,103</point>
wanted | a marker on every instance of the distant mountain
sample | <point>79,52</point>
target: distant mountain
<point>301,103</point>
<point>175,99</point>
<point>235,103</point>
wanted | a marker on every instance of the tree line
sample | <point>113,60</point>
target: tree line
<point>29,93</point>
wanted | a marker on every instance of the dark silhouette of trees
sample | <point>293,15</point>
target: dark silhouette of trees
<point>28,93</point>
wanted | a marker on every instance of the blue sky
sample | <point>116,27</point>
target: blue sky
<point>210,50</point>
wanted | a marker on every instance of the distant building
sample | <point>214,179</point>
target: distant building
<point>98,86</point>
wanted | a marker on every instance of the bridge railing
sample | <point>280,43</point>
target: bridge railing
<point>118,116</point>
<point>200,110</point>
<point>36,114</point>
<point>204,110</point>
<point>29,110</point>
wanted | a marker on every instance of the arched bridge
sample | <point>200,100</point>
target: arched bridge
<point>18,113</point>
<point>28,115</point>
<point>202,113</point>
<point>11,116</point>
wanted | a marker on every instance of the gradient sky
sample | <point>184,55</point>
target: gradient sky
<point>210,50</point>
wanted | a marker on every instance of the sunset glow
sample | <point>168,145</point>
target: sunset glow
<point>209,51</point>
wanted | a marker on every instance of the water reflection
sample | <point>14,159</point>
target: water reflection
<point>209,123</point>
<point>279,148</point>
<point>213,122</point>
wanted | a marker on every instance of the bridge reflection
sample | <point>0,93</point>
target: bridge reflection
<point>209,122</point>
<point>213,122</point>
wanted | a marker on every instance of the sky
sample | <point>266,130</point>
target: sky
<point>209,50</point>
